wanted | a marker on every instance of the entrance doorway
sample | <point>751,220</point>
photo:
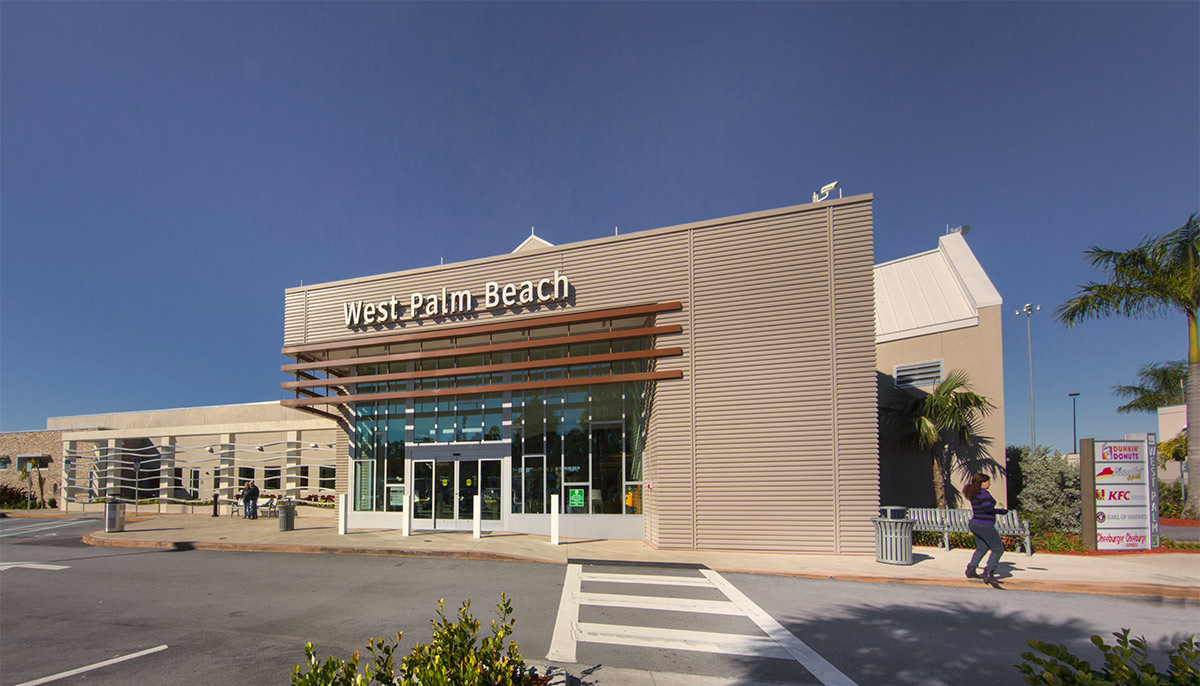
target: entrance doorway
<point>444,488</point>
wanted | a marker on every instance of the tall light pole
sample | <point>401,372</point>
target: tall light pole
<point>1074,426</point>
<point>1028,310</point>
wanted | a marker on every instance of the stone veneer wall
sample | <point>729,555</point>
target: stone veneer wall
<point>33,443</point>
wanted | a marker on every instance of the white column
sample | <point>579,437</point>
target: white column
<point>553,519</point>
<point>343,514</point>
<point>166,470</point>
<point>293,465</point>
<point>228,470</point>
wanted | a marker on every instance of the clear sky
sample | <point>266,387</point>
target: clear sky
<point>168,169</point>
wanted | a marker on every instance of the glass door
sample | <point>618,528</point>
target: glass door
<point>444,490</point>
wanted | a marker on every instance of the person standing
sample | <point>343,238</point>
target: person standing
<point>250,500</point>
<point>983,527</point>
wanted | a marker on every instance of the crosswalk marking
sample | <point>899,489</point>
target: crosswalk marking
<point>712,607</point>
<point>774,642</point>
<point>32,565</point>
<point>680,639</point>
<point>34,528</point>
<point>647,579</point>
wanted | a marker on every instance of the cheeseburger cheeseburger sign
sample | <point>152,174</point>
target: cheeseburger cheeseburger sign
<point>1125,512</point>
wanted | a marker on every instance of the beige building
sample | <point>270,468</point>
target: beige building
<point>707,386</point>
<point>937,311</point>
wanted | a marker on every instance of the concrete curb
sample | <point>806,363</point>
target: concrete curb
<point>1090,588</point>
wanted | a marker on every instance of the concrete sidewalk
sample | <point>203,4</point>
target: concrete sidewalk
<point>1161,575</point>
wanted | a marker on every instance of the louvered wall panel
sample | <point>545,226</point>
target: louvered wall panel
<point>767,341</point>
<point>858,451</point>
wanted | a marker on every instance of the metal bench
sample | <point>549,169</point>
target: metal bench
<point>946,522</point>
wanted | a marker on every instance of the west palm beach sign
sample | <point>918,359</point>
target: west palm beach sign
<point>447,302</point>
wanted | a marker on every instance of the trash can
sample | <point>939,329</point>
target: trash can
<point>893,512</point>
<point>287,516</point>
<point>893,541</point>
<point>114,516</point>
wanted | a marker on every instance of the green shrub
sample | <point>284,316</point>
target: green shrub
<point>1124,664</point>
<point>1170,501</point>
<point>1050,499</point>
<point>453,658</point>
<point>12,497</point>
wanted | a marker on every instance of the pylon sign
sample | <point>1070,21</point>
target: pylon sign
<point>1124,485</point>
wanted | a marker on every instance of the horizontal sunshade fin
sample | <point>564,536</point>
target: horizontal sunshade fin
<point>476,329</point>
<point>483,369</point>
<point>495,347</point>
<point>919,374</point>
<point>471,390</point>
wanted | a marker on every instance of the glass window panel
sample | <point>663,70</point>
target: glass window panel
<point>631,323</point>
<point>468,487</point>
<point>633,499</point>
<point>271,480</point>
<point>533,481</point>
<point>327,478</point>
<point>606,402</point>
<point>493,417</point>
<point>445,419</point>
<point>575,439</point>
<point>607,444</point>
<point>535,424</point>
<point>517,470</point>
<point>635,430</point>
<point>423,490</point>
<point>443,490</point>
<point>554,420</point>
<point>424,421</point>
<point>363,500</point>
<point>469,424</point>
<point>489,481</point>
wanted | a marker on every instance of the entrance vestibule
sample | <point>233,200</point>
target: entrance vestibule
<point>444,490</point>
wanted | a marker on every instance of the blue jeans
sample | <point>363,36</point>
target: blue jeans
<point>251,509</point>
<point>986,539</point>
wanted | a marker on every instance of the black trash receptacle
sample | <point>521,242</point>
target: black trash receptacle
<point>114,516</point>
<point>893,541</point>
<point>287,516</point>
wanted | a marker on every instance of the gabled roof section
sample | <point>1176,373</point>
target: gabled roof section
<point>931,292</point>
<point>532,244</point>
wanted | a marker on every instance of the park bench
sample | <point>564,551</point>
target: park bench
<point>946,522</point>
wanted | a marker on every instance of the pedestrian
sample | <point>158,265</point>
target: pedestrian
<point>250,500</point>
<point>983,527</point>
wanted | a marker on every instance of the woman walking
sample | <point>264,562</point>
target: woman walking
<point>983,526</point>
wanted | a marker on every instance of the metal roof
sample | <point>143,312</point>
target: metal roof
<point>930,292</point>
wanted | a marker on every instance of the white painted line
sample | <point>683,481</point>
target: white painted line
<point>98,665</point>
<point>41,528</point>
<point>814,663</point>
<point>647,579</point>
<point>32,565</point>
<point>711,607</point>
<point>679,639</point>
<point>562,645</point>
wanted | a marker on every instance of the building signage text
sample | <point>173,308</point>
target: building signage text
<point>447,302</point>
<point>1123,515</point>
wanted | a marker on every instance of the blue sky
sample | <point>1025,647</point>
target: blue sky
<point>168,169</point>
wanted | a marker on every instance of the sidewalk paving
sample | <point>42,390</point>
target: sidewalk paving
<point>1160,575</point>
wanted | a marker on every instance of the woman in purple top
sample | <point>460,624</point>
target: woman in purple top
<point>983,526</point>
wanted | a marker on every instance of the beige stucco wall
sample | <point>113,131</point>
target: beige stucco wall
<point>33,443</point>
<point>905,478</point>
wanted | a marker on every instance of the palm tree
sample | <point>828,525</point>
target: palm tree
<point>1161,384</point>
<point>943,423</point>
<point>1157,277</point>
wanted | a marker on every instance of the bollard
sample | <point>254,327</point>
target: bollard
<point>407,524</point>
<point>215,494</point>
<point>553,519</point>
<point>343,514</point>
<point>475,527</point>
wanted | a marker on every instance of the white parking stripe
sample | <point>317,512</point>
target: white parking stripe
<point>712,607</point>
<point>43,528</point>
<point>647,579</point>
<point>562,645</point>
<point>98,665</point>
<point>679,639</point>
<point>32,565</point>
<point>814,663</point>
